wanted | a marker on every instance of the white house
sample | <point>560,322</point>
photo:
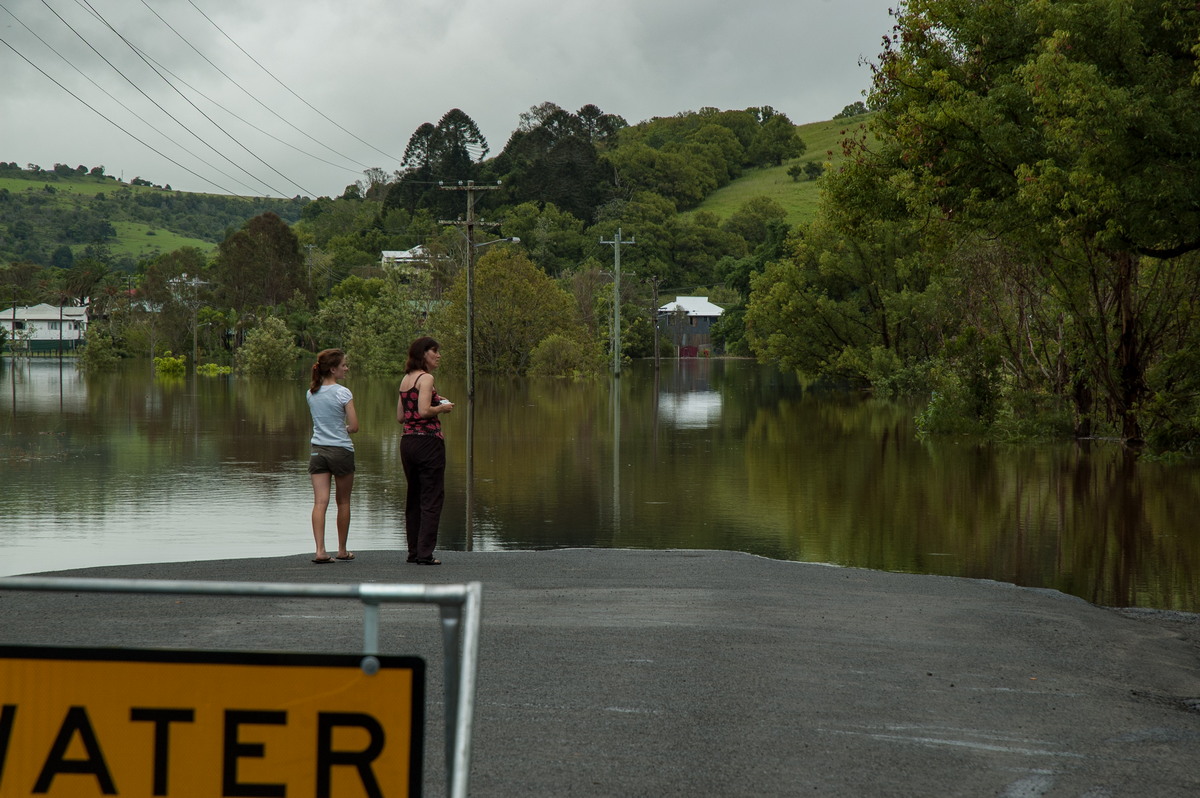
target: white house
<point>688,320</point>
<point>405,259</point>
<point>41,328</point>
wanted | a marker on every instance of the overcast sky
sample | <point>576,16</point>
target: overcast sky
<point>380,68</point>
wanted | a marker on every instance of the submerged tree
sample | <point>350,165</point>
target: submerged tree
<point>517,306</point>
<point>1072,135</point>
<point>269,351</point>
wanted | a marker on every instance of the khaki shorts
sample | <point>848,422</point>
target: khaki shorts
<point>331,460</point>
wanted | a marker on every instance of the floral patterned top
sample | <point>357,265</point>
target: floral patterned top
<point>414,424</point>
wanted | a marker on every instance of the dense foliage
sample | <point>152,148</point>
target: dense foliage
<point>1021,234</point>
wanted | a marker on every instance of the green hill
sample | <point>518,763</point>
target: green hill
<point>42,213</point>
<point>799,198</point>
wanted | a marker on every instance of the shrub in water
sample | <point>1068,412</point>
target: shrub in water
<point>269,351</point>
<point>170,366</point>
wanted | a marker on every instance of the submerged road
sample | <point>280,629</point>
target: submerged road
<point>699,673</point>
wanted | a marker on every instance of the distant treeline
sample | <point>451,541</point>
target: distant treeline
<point>34,172</point>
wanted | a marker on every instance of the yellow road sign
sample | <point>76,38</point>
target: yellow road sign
<point>186,724</point>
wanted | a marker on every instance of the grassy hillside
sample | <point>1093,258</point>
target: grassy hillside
<point>133,238</point>
<point>138,240</point>
<point>39,215</point>
<point>799,198</point>
<point>82,186</point>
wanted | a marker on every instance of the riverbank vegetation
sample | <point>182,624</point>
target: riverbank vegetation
<point>1007,227</point>
<point>1019,235</point>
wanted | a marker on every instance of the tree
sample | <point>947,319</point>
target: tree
<point>673,175</point>
<point>645,217</point>
<point>552,157</point>
<point>599,126</point>
<point>99,350</point>
<point>158,273</point>
<point>269,350</point>
<point>166,295</point>
<point>1074,133</point>
<point>553,239</point>
<point>451,150</point>
<point>517,306</point>
<point>852,110</point>
<point>696,246</point>
<point>375,320</point>
<point>753,218</point>
<point>718,148</point>
<point>557,355</point>
<point>458,140</point>
<point>775,142</point>
<point>62,257</point>
<point>851,300</point>
<point>83,277</point>
<point>261,265</point>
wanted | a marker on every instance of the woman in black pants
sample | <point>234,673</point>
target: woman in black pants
<point>422,449</point>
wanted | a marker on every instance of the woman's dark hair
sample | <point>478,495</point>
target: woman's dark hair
<point>416,353</point>
<point>327,361</point>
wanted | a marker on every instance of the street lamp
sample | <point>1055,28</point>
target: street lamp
<point>471,307</point>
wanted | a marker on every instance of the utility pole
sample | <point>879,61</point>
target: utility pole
<point>178,285</point>
<point>654,280</point>
<point>470,223</point>
<point>616,326</point>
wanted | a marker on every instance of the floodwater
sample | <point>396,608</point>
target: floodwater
<point>702,454</point>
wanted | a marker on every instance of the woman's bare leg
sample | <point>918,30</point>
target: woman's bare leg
<point>345,484</point>
<point>320,483</point>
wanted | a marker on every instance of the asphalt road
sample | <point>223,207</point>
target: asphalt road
<point>688,673</point>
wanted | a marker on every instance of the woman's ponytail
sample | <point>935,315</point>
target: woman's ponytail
<point>327,361</point>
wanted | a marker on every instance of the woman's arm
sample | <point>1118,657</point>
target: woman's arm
<point>425,397</point>
<point>425,405</point>
<point>351,418</point>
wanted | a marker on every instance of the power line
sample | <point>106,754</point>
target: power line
<point>174,82</point>
<point>245,121</point>
<point>272,111</point>
<point>197,108</point>
<point>114,124</point>
<point>135,114</point>
<point>288,89</point>
<point>151,99</point>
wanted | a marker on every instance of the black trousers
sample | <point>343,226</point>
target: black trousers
<point>424,461</point>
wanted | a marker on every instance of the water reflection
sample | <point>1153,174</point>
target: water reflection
<point>701,454</point>
<point>615,393</point>
<point>690,410</point>
<point>469,477</point>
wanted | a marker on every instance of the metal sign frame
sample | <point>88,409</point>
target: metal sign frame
<point>460,608</point>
